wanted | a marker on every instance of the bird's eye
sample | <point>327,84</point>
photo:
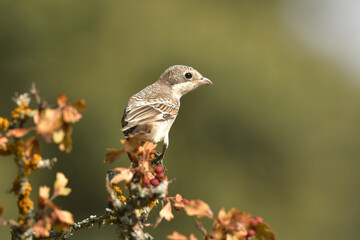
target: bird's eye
<point>188,75</point>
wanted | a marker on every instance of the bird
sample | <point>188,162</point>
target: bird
<point>150,113</point>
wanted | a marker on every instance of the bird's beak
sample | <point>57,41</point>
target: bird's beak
<point>204,81</point>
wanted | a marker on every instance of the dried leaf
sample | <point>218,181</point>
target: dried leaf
<point>42,227</point>
<point>192,237</point>
<point>178,204</point>
<point>80,104</point>
<point>199,209</point>
<point>3,141</point>
<point>130,146</point>
<point>176,236</point>
<point>125,175</point>
<point>49,121</point>
<point>44,192</point>
<point>147,149</point>
<point>17,132</point>
<point>233,224</point>
<point>58,136</point>
<point>59,186</point>
<point>62,99</point>
<point>263,232</point>
<point>1,210</point>
<point>113,154</point>
<point>166,212</point>
<point>32,146</point>
<point>43,199</point>
<point>64,216</point>
<point>71,115</point>
<point>66,144</point>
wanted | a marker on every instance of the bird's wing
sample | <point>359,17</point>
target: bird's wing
<point>147,113</point>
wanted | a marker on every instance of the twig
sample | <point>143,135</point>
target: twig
<point>9,222</point>
<point>35,93</point>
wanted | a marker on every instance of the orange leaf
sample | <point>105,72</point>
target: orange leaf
<point>71,115</point>
<point>3,141</point>
<point>42,227</point>
<point>62,99</point>
<point>48,121</point>
<point>80,104</point>
<point>32,146</point>
<point>147,149</point>
<point>44,192</point>
<point>234,223</point>
<point>178,204</point>
<point>1,210</point>
<point>43,199</point>
<point>59,186</point>
<point>64,216</point>
<point>176,236</point>
<point>192,237</point>
<point>125,175</point>
<point>263,232</point>
<point>17,132</point>
<point>199,209</point>
<point>166,212</point>
<point>113,154</point>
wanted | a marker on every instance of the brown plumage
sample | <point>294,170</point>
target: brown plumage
<point>150,113</point>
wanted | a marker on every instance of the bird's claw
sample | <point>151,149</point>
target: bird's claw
<point>158,159</point>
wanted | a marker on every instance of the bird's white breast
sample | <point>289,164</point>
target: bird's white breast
<point>161,130</point>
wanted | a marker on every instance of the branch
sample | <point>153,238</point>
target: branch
<point>87,223</point>
<point>9,222</point>
<point>35,93</point>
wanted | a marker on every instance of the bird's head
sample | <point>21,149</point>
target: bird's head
<point>182,79</point>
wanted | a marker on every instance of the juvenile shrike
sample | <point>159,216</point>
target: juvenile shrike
<point>149,114</point>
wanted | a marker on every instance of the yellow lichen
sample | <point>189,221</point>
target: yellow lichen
<point>119,193</point>
<point>21,112</point>
<point>4,124</point>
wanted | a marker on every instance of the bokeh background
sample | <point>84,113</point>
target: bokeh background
<point>277,134</point>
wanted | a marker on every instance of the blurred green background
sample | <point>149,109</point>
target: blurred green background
<point>277,135</point>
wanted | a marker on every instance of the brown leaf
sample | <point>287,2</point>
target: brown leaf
<point>48,121</point>
<point>62,99</point>
<point>125,175</point>
<point>199,209</point>
<point>233,217</point>
<point>147,149</point>
<point>64,216</point>
<point>192,237</point>
<point>176,236</point>
<point>58,136</point>
<point>3,141</point>
<point>32,146</point>
<point>178,202</point>
<point>166,212</point>
<point>42,227</point>
<point>44,192</point>
<point>43,199</point>
<point>233,223</point>
<point>66,144</point>
<point>71,115</point>
<point>59,186</point>
<point>263,232</point>
<point>113,154</point>
<point>17,132</point>
<point>80,104</point>
<point>1,210</point>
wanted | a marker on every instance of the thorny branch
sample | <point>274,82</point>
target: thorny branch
<point>145,183</point>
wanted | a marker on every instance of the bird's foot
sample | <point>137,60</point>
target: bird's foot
<point>157,159</point>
